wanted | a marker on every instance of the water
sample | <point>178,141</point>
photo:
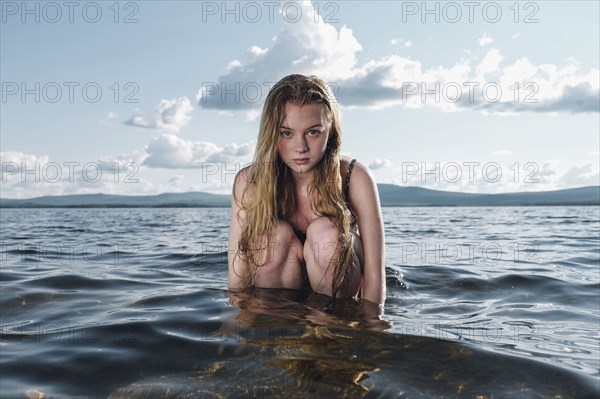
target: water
<point>497,302</point>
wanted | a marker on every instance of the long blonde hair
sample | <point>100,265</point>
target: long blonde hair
<point>265,203</point>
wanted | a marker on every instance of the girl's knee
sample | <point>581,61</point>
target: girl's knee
<point>282,268</point>
<point>322,230</point>
<point>322,238</point>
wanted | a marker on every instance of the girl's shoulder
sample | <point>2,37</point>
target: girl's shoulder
<point>359,172</point>
<point>241,184</point>
<point>345,162</point>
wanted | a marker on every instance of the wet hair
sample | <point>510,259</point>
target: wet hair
<point>269,194</point>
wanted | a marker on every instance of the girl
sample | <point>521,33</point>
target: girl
<point>302,215</point>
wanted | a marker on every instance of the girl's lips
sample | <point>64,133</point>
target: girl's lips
<point>300,161</point>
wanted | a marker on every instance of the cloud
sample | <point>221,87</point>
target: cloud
<point>489,65</point>
<point>14,159</point>
<point>168,116</point>
<point>581,175</point>
<point>123,165</point>
<point>311,46</point>
<point>171,152</point>
<point>21,172</point>
<point>39,175</point>
<point>401,42</point>
<point>378,163</point>
<point>256,52</point>
<point>485,40</point>
<point>147,171</point>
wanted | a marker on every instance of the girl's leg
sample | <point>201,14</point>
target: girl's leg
<point>284,257</point>
<point>320,254</point>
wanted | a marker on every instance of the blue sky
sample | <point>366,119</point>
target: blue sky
<point>127,97</point>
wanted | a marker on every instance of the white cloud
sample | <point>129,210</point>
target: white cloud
<point>141,172</point>
<point>168,116</point>
<point>256,52</point>
<point>485,40</point>
<point>234,64</point>
<point>252,115</point>
<point>38,175</point>
<point>24,174</point>
<point>492,86</point>
<point>378,163</point>
<point>16,158</point>
<point>309,46</point>
<point>489,65</point>
<point>581,175</point>
<point>401,42</point>
<point>171,152</point>
<point>122,163</point>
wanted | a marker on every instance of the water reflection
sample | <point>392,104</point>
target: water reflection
<point>258,307</point>
<point>279,343</point>
<point>313,346</point>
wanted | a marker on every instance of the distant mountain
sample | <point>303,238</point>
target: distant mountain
<point>389,194</point>
<point>167,200</point>
<point>392,195</point>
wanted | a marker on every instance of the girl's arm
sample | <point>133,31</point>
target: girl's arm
<point>239,272</point>
<point>364,201</point>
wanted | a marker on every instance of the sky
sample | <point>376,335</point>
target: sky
<point>147,97</point>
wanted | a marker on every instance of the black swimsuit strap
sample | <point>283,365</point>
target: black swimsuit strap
<point>347,185</point>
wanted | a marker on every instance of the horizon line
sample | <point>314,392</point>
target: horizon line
<point>212,193</point>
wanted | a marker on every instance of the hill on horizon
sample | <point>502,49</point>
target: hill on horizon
<point>389,194</point>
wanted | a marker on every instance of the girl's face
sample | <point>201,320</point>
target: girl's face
<point>303,136</point>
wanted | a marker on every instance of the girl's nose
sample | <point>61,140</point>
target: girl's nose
<point>301,144</point>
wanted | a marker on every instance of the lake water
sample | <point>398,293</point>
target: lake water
<point>497,302</point>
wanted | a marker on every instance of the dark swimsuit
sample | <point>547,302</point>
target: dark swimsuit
<point>302,234</point>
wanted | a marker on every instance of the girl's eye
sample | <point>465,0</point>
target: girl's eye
<point>286,133</point>
<point>313,132</point>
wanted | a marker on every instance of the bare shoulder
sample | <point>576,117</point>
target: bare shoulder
<point>244,175</point>
<point>242,178</point>
<point>361,176</point>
